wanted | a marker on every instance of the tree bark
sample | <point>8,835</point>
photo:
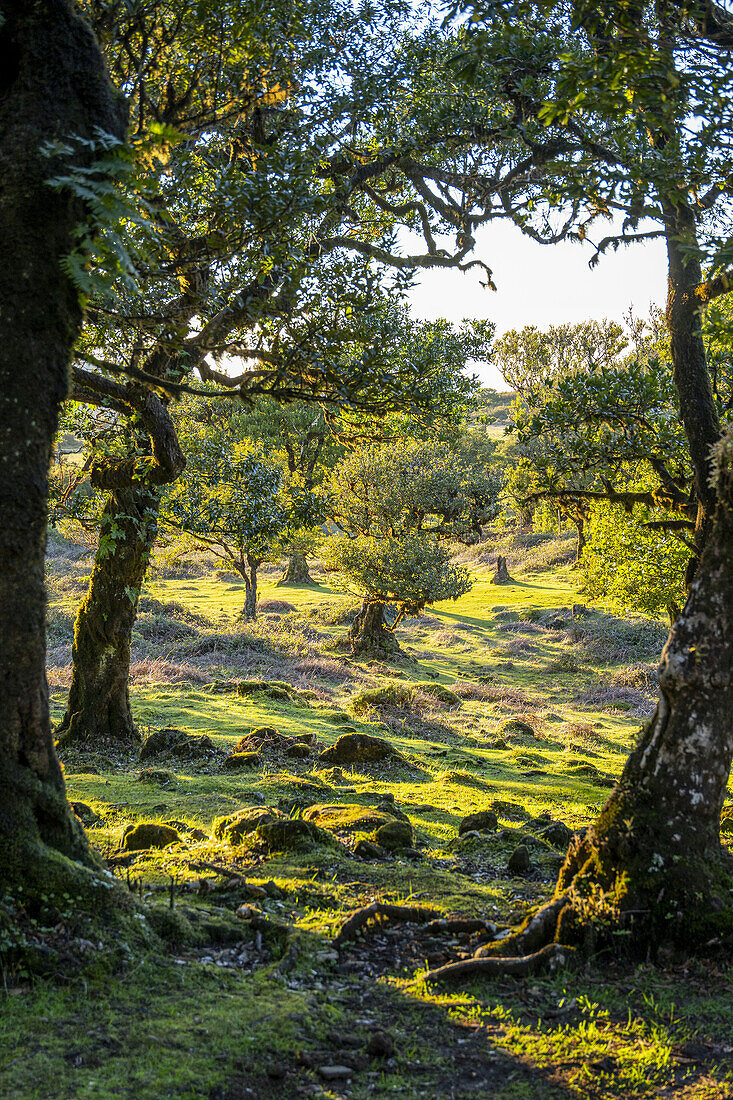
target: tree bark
<point>653,863</point>
<point>296,571</point>
<point>98,713</point>
<point>52,86</point>
<point>248,571</point>
<point>369,636</point>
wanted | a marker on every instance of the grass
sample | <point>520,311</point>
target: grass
<point>196,1024</point>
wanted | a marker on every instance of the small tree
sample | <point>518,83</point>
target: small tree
<point>408,572</point>
<point>395,501</point>
<point>230,500</point>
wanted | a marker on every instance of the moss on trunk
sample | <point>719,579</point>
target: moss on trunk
<point>98,713</point>
<point>296,571</point>
<point>369,636</point>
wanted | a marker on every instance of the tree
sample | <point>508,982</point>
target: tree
<point>230,499</point>
<point>53,85</point>
<point>652,866</point>
<point>394,502</point>
<point>407,571</point>
<point>260,215</point>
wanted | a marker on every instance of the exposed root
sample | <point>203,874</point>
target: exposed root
<point>383,911</point>
<point>552,955</point>
<point>539,931</point>
<point>461,924</point>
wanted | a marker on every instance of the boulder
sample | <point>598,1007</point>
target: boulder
<point>514,727</point>
<point>177,743</point>
<point>238,760</point>
<point>346,817</point>
<point>366,849</point>
<point>439,692</point>
<point>148,834</point>
<point>484,819</point>
<point>358,748</point>
<point>556,832</point>
<point>289,833</point>
<point>160,776</point>
<point>85,813</point>
<point>298,750</point>
<point>394,834</point>
<point>235,827</point>
<point>519,861</point>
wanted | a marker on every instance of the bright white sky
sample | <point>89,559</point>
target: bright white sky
<point>543,285</point>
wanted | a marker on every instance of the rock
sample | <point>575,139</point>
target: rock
<point>238,760</point>
<point>148,834</point>
<point>484,819</point>
<point>264,737</point>
<point>346,817</point>
<point>519,862</point>
<point>298,751</point>
<point>235,827</point>
<point>85,813</point>
<point>333,775</point>
<point>394,834</point>
<point>358,748</point>
<point>335,1073</point>
<point>386,797</point>
<point>177,743</point>
<point>288,833</point>
<point>380,1045</point>
<point>273,689</point>
<point>392,809</point>
<point>514,727</point>
<point>160,776</point>
<point>556,833</point>
<point>439,692</point>
<point>365,849</point>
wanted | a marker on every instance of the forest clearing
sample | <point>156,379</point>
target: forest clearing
<point>524,709</point>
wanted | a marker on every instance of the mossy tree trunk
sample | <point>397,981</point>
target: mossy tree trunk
<point>296,571</point>
<point>52,86</point>
<point>369,636</point>
<point>98,713</point>
<point>247,568</point>
<point>654,854</point>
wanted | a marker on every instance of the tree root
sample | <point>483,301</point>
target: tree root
<point>461,924</point>
<point>383,911</point>
<point>514,966</point>
<point>539,931</point>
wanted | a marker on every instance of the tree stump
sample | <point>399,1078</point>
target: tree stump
<point>501,576</point>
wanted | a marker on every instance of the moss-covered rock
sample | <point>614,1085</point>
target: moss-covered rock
<point>159,777</point>
<point>238,760</point>
<point>289,833</point>
<point>85,813</point>
<point>272,689</point>
<point>390,694</point>
<point>148,834</point>
<point>513,727</point>
<point>484,819</point>
<point>235,827</point>
<point>437,691</point>
<point>394,835</point>
<point>177,743</point>
<point>346,817</point>
<point>358,748</point>
<point>519,861</point>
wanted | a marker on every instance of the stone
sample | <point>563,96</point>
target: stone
<point>335,1073</point>
<point>484,819</point>
<point>511,810</point>
<point>366,849</point>
<point>519,862</point>
<point>358,748</point>
<point>148,834</point>
<point>235,827</point>
<point>288,833</point>
<point>346,817</point>
<point>439,692</point>
<point>85,813</point>
<point>177,743</point>
<point>394,834</point>
<point>238,760</point>
<point>557,833</point>
<point>298,751</point>
<point>392,809</point>
<point>380,1045</point>
<point>159,776</point>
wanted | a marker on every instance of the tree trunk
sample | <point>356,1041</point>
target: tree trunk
<point>653,862</point>
<point>52,86</point>
<point>369,636</point>
<point>98,713</point>
<point>501,574</point>
<point>248,572</point>
<point>296,571</point>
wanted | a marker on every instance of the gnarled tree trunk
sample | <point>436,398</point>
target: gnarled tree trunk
<point>247,569</point>
<point>52,86</point>
<point>98,713</point>
<point>369,635</point>
<point>296,571</point>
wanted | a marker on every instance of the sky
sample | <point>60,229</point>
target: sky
<point>543,285</point>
